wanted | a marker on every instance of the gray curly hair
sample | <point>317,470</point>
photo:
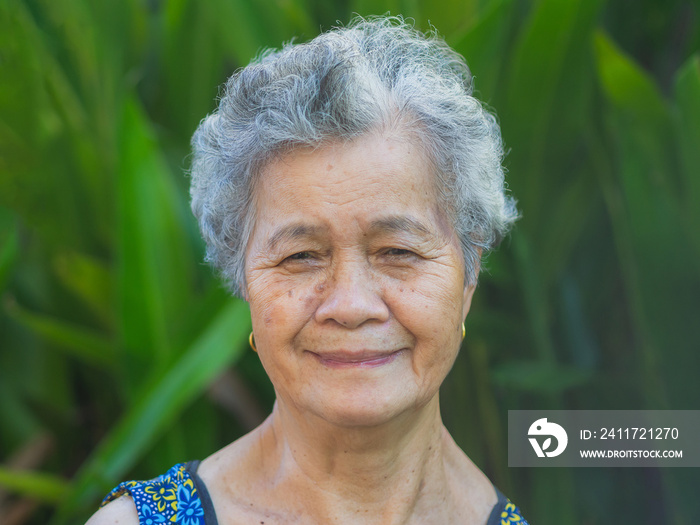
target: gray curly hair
<point>371,75</point>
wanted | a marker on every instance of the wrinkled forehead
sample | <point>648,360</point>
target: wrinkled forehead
<point>382,179</point>
<point>402,131</point>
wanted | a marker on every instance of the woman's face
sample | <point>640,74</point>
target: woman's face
<point>355,281</point>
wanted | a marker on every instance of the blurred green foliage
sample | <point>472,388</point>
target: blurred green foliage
<point>121,349</point>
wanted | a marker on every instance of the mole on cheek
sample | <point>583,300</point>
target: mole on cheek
<point>320,288</point>
<point>290,293</point>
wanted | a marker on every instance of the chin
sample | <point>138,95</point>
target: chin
<point>359,418</point>
<point>366,409</point>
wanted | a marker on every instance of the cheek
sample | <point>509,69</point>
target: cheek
<point>278,309</point>
<point>431,310</point>
<point>431,296</point>
<point>263,303</point>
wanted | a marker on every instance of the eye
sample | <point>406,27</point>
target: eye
<point>301,256</point>
<point>398,252</point>
<point>302,261</point>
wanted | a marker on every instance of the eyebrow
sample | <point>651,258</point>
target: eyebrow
<point>292,232</point>
<point>400,223</point>
<point>391,224</point>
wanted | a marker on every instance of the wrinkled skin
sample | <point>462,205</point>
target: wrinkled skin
<point>355,281</point>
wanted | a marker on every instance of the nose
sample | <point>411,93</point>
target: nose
<point>351,296</point>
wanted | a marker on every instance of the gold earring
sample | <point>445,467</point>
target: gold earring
<point>464,331</point>
<point>251,341</point>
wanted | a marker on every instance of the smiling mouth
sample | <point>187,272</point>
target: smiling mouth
<point>356,360</point>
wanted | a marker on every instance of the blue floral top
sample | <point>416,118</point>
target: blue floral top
<point>179,496</point>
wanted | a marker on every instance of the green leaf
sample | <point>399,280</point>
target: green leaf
<point>546,97</point>
<point>483,46</point>
<point>543,97</point>
<point>567,217</point>
<point>644,195</point>
<point>377,7</point>
<point>156,259</point>
<point>31,105</point>
<point>190,43</point>
<point>297,17</point>
<point>88,279</point>
<point>38,486</point>
<point>240,28</point>
<point>79,342</point>
<point>627,86</point>
<point>9,247</point>
<point>160,403</point>
<point>536,303</point>
<point>453,18</point>
<point>687,126</point>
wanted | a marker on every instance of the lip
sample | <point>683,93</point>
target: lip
<point>362,359</point>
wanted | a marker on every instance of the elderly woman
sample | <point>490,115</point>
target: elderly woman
<point>347,189</point>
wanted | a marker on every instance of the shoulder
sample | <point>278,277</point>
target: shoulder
<point>506,513</point>
<point>121,511</point>
<point>162,499</point>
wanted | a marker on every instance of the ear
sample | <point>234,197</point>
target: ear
<point>243,289</point>
<point>469,290</point>
<point>467,299</point>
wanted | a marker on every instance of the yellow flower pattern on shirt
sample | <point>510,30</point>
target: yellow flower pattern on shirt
<point>170,498</point>
<point>511,514</point>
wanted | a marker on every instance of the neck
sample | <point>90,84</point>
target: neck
<point>388,473</point>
